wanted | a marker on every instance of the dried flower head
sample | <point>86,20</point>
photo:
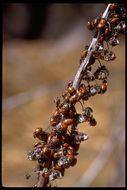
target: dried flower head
<point>57,149</point>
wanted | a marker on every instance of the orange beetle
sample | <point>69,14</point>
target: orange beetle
<point>113,6</point>
<point>104,86</point>
<point>101,24</point>
<point>90,25</point>
<point>37,132</point>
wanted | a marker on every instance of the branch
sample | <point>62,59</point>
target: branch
<point>57,148</point>
<point>92,47</point>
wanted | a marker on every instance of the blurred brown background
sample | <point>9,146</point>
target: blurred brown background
<point>41,52</point>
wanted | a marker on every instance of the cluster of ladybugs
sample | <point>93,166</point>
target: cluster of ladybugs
<point>111,27</point>
<point>58,148</point>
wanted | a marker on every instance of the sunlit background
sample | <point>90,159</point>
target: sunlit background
<point>41,52</point>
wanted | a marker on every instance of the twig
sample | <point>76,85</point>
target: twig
<point>82,68</point>
<point>85,63</point>
<point>42,182</point>
<point>57,149</point>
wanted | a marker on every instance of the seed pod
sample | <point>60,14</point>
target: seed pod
<point>72,160</point>
<point>56,113</point>
<point>110,56</point>
<point>101,73</point>
<point>96,21</point>
<point>56,155</point>
<point>70,88</point>
<point>60,128</point>
<point>70,150</point>
<point>103,87</point>
<point>101,39</point>
<point>53,132</point>
<point>93,90</point>
<point>52,141</point>
<point>46,150</point>
<point>88,112</point>
<point>31,155</point>
<point>76,147</point>
<point>53,121</point>
<point>97,54</point>
<point>63,161</point>
<point>63,127</point>
<point>92,122</point>
<point>82,118</point>
<point>66,145</point>
<point>60,168</point>
<point>36,144</point>
<point>114,21</point>
<point>37,132</point>
<point>66,106</point>
<point>82,89</point>
<point>101,24</point>
<point>57,150</point>
<point>121,27</point>
<point>71,112</point>
<point>73,99</point>
<point>90,25</point>
<point>68,122</point>
<point>113,6</point>
<point>107,32</point>
<point>83,136</point>
<point>113,41</point>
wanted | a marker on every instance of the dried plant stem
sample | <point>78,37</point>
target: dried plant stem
<point>85,63</point>
<point>43,182</point>
<point>57,149</point>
